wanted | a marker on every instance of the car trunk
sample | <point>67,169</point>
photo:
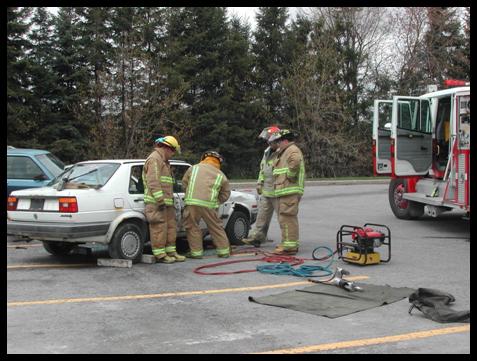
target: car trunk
<point>43,205</point>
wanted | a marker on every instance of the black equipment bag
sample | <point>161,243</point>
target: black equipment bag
<point>434,304</point>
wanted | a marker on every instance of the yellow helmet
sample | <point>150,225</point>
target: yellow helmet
<point>171,142</point>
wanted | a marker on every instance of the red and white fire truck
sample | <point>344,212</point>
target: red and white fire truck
<point>423,144</point>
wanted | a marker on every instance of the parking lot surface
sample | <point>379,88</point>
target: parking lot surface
<point>71,305</point>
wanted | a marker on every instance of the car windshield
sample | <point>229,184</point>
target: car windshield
<point>93,175</point>
<point>52,163</point>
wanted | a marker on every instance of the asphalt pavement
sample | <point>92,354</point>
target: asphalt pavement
<point>71,305</point>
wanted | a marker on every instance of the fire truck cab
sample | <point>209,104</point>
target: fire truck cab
<point>423,144</point>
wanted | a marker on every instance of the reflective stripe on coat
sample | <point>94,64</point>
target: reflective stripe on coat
<point>205,186</point>
<point>289,171</point>
<point>157,179</point>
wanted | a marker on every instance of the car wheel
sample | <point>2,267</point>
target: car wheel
<point>58,248</point>
<point>237,227</point>
<point>403,208</point>
<point>127,242</point>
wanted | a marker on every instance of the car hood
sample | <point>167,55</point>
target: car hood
<point>243,197</point>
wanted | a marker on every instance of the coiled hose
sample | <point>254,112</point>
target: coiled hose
<point>280,265</point>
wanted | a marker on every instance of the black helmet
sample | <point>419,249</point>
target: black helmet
<point>212,153</point>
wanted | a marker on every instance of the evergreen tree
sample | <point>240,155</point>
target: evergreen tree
<point>237,105</point>
<point>94,37</point>
<point>43,80</point>
<point>444,52</point>
<point>271,61</point>
<point>68,129</point>
<point>19,121</point>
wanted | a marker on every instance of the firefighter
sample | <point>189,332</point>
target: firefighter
<point>159,202</point>
<point>289,182</point>
<point>265,189</point>
<point>206,186</point>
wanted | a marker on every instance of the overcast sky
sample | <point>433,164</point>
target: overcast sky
<point>248,14</point>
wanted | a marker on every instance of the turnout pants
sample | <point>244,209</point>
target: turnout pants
<point>162,229</point>
<point>192,216</point>
<point>288,219</point>
<point>264,216</point>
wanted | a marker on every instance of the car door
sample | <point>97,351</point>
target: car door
<point>411,134</point>
<point>178,170</point>
<point>23,172</point>
<point>382,137</point>
<point>461,148</point>
<point>136,188</point>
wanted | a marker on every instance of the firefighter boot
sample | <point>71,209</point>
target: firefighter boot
<point>176,256</point>
<point>165,259</point>
<point>279,250</point>
<point>251,241</point>
<point>194,256</point>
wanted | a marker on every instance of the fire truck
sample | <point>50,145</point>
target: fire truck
<point>423,144</point>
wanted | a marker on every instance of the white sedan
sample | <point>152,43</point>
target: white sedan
<point>102,202</point>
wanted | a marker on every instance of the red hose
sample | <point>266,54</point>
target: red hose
<point>268,257</point>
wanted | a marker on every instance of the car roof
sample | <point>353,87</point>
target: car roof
<point>24,151</point>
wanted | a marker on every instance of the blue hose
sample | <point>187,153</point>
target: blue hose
<point>303,270</point>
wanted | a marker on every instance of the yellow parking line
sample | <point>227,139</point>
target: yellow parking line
<point>161,295</point>
<point>17,266</point>
<point>371,341</point>
<point>25,245</point>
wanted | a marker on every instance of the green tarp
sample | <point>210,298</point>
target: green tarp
<point>331,301</point>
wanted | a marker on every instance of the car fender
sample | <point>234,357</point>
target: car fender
<point>230,207</point>
<point>129,215</point>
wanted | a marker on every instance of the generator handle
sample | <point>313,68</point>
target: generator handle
<point>379,225</point>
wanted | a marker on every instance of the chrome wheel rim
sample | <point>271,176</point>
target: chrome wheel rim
<point>130,244</point>
<point>240,228</point>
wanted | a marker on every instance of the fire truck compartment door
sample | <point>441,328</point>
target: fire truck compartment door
<point>411,131</point>
<point>382,135</point>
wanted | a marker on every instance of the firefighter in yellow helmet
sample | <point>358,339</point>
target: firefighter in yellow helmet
<point>206,187</point>
<point>265,188</point>
<point>159,202</point>
<point>289,183</point>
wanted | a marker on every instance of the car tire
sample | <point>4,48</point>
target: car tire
<point>403,208</point>
<point>237,227</point>
<point>127,242</point>
<point>58,248</point>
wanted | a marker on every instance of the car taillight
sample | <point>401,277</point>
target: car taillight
<point>68,205</point>
<point>12,203</point>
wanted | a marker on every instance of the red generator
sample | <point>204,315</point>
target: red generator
<point>356,244</point>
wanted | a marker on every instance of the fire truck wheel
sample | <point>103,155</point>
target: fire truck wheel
<point>403,208</point>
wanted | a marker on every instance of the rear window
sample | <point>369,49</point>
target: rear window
<point>52,163</point>
<point>92,175</point>
<point>19,167</point>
